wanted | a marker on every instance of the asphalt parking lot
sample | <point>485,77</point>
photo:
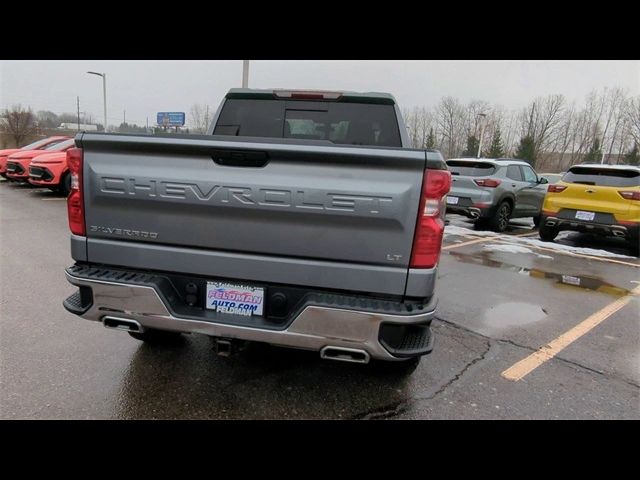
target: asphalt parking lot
<point>525,330</point>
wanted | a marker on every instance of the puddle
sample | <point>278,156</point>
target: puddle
<point>514,314</point>
<point>561,280</point>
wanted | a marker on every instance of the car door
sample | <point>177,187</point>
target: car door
<point>515,184</point>
<point>533,192</point>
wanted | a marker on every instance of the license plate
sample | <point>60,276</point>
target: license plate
<point>580,215</point>
<point>452,200</point>
<point>235,299</point>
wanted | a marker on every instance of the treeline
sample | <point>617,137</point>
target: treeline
<point>549,131</point>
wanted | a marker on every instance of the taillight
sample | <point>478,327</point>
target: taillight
<point>556,188</point>
<point>629,194</point>
<point>487,182</point>
<point>307,94</point>
<point>427,241</point>
<point>75,202</point>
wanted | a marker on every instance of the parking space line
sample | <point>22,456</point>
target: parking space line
<point>527,365</point>
<point>574,254</point>
<point>486,239</point>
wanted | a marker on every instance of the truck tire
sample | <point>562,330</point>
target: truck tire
<point>403,368</point>
<point>154,336</point>
<point>500,220</point>
<point>548,234</point>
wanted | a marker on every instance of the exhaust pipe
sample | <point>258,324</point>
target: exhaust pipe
<point>344,354</point>
<point>474,213</point>
<point>618,233</point>
<point>122,324</point>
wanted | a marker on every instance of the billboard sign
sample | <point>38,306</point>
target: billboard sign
<point>171,119</point>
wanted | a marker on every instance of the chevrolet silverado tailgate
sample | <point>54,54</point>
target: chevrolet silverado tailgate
<point>270,203</point>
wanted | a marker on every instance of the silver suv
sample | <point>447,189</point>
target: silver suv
<point>492,191</point>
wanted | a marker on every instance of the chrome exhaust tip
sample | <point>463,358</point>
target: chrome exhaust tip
<point>343,354</point>
<point>474,213</point>
<point>122,324</point>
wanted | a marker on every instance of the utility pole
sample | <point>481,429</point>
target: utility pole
<point>124,117</point>
<point>104,94</point>
<point>78,102</point>
<point>245,74</point>
<point>147,124</point>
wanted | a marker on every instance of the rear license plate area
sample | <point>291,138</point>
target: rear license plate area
<point>235,299</point>
<point>585,216</point>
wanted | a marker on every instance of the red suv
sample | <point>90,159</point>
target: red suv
<point>19,162</point>
<point>37,145</point>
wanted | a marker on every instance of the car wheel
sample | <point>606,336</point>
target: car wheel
<point>65,184</point>
<point>154,336</point>
<point>500,219</point>
<point>548,234</point>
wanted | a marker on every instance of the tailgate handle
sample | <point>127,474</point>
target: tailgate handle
<point>240,158</point>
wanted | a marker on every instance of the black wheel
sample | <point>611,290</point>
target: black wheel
<point>402,368</point>
<point>156,336</point>
<point>536,220</point>
<point>65,184</point>
<point>500,220</point>
<point>548,234</point>
<point>634,247</point>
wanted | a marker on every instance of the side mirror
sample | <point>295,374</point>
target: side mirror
<point>543,181</point>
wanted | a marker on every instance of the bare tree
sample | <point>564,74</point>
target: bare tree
<point>632,115</point>
<point>200,117</point>
<point>18,122</point>
<point>450,116</point>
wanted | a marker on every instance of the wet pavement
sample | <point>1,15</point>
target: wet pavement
<point>502,297</point>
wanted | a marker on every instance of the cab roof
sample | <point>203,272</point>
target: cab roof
<point>313,95</point>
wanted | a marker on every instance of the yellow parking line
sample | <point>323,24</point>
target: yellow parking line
<point>533,361</point>
<point>487,239</point>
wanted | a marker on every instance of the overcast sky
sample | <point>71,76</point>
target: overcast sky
<point>143,88</point>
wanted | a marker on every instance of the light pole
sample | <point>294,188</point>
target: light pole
<point>104,94</point>
<point>483,115</point>
<point>245,73</point>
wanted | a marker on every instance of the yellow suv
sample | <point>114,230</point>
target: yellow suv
<point>602,199</point>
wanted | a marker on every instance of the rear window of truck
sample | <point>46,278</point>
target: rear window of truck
<point>471,169</point>
<point>604,177</point>
<point>340,123</point>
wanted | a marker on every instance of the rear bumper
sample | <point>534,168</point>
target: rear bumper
<point>471,212</point>
<point>386,334</point>
<point>630,231</point>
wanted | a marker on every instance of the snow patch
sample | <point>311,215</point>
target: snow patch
<point>507,248</point>
<point>568,248</point>
<point>461,231</point>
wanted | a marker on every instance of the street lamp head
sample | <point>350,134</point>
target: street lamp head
<point>96,73</point>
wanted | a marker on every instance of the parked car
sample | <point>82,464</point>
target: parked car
<point>304,220</point>
<point>51,170</point>
<point>37,145</point>
<point>18,163</point>
<point>601,199</point>
<point>493,191</point>
<point>552,177</point>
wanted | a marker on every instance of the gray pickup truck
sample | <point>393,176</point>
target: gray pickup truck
<point>303,220</point>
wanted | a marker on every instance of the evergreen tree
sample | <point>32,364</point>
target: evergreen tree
<point>527,150</point>
<point>472,146</point>
<point>595,153</point>
<point>633,157</point>
<point>496,150</point>
<point>431,140</point>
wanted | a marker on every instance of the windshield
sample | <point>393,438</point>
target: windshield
<point>471,169</point>
<point>38,144</point>
<point>59,146</point>
<point>605,177</point>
